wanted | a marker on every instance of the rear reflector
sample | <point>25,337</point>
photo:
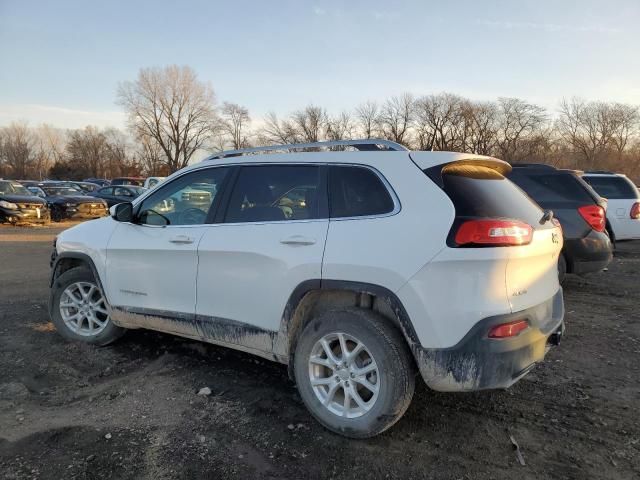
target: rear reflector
<point>510,329</point>
<point>635,211</point>
<point>594,215</point>
<point>494,233</point>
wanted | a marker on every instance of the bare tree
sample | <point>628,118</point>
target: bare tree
<point>438,121</point>
<point>519,122</point>
<point>310,123</point>
<point>479,127</point>
<point>396,117</point>
<point>235,124</point>
<point>151,157</point>
<point>367,119</point>
<point>340,127</point>
<point>171,106</point>
<point>276,131</point>
<point>18,149</point>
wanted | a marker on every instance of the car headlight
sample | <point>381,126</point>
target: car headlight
<point>9,205</point>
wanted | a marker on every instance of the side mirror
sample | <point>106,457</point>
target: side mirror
<point>122,212</point>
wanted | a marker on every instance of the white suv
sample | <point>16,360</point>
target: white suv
<point>354,268</point>
<point>623,203</point>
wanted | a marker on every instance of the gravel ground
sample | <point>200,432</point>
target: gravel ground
<point>131,410</point>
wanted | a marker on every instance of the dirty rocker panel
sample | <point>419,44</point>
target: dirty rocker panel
<point>215,330</point>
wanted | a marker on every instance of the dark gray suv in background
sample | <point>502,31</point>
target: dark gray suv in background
<point>580,210</point>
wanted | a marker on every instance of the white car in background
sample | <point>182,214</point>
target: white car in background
<point>354,268</point>
<point>623,203</point>
<point>151,182</point>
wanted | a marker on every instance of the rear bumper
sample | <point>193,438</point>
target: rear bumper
<point>589,254</point>
<point>479,363</point>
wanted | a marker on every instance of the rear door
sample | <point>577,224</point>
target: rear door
<point>270,239</point>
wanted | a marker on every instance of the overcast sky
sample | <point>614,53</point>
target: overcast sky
<point>61,61</point>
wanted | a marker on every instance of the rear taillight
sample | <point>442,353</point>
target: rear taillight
<point>494,233</point>
<point>635,211</point>
<point>594,215</point>
<point>511,329</point>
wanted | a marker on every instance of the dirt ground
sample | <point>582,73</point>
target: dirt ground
<point>131,410</point>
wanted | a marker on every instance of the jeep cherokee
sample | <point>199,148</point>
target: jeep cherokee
<point>354,268</point>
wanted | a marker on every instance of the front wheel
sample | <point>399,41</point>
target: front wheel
<point>79,309</point>
<point>354,372</point>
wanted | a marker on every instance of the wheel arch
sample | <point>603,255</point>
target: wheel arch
<point>67,260</point>
<point>312,297</point>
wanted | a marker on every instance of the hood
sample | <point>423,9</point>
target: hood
<point>21,198</point>
<point>76,199</point>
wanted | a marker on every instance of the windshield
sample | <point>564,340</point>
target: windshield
<point>138,190</point>
<point>11,188</point>
<point>61,191</point>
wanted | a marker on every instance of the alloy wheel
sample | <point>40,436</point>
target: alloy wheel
<point>344,375</point>
<point>83,309</point>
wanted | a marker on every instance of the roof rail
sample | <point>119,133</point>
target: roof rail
<point>600,172</point>
<point>363,145</point>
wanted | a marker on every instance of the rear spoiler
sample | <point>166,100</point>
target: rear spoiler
<point>436,164</point>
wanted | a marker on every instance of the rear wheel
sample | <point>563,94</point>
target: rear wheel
<point>354,372</point>
<point>562,268</point>
<point>79,309</point>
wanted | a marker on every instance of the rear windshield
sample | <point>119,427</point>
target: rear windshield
<point>489,196</point>
<point>615,188</point>
<point>551,187</point>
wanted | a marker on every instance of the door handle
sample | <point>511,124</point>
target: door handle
<point>298,240</point>
<point>181,239</point>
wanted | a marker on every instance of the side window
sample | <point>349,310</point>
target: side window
<point>185,200</point>
<point>269,193</point>
<point>106,191</point>
<point>357,192</point>
<point>122,192</point>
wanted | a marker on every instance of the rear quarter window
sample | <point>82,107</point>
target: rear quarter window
<point>357,192</point>
<point>615,188</point>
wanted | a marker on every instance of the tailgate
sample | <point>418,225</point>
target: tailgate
<point>532,270</point>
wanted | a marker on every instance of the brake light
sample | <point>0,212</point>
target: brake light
<point>635,211</point>
<point>594,215</point>
<point>494,233</point>
<point>510,329</point>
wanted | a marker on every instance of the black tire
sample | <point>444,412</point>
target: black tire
<point>56,216</point>
<point>612,237</point>
<point>109,334</point>
<point>395,365</point>
<point>562,268</point>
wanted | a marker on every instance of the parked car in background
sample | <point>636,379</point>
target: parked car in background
<point>623,199</point>
<point>98,181</point>
<point>353,268</point>
<point>37,191</point>
<point>135,181</point>
<point>118,194</point>
<point>19,205</point>
<point>581,212</point>
<point>151,182</point>
<point>72,203</point>
<point>86,186</point>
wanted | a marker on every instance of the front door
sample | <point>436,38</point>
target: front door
<point>152,262</point>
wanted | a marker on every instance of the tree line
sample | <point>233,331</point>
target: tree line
<point>173,116</point>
